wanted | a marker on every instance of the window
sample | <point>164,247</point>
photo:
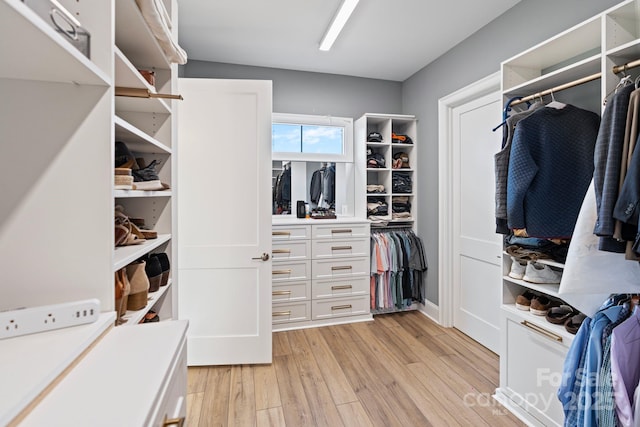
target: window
<point>315,138</point>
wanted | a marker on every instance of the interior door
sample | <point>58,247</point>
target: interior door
<point>477,248</point>
<point>224,220</point>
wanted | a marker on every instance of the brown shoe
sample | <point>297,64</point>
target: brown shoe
<point>540,305</point>
<point>523,301</point>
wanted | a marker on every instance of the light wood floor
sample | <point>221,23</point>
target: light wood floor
<point>399,370</point>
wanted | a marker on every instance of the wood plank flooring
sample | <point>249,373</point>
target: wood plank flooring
<point>401,370</point>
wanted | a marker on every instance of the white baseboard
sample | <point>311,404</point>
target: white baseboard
<point>430,310</point>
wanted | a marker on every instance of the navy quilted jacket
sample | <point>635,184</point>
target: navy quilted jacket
<point>550,168</point>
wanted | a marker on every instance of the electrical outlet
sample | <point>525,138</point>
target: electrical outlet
<point>30,320</point>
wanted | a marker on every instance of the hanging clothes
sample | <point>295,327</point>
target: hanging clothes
<point>550,168</point>
<point>398,263</point>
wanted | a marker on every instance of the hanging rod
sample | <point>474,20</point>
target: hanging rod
<point>624,67</point>
<point>583,80</point>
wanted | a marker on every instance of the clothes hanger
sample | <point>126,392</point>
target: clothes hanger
<point>555,104</point>
<point>505,112</point>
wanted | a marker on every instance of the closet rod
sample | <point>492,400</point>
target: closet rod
<point>583,80</point>
<point>624,67</point>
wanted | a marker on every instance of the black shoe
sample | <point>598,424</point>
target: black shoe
<point>123,157</point>
<point>147,173</point>
<point>154,273</point>
<point>166,267</point>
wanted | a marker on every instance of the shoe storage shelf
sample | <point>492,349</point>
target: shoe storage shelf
<point>147,128</point>
<point>57,216</point>
<point>532,349</point>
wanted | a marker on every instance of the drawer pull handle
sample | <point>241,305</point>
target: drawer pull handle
<point>281,313</point>
<point>337,288</point>
<point>341,267</point>
<point>541,331</point>
<point>274,293</point>
<point>173,422</point>
<point>345,230</point>
<point>281,251</point>
<point>281,271</point>
<point>341,248</point>
<point>281,233</point>
<point>341,307</point>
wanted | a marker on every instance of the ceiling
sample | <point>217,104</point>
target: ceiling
<point>383,39</point>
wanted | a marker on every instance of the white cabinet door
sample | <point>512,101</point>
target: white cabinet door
<point>224,219</point>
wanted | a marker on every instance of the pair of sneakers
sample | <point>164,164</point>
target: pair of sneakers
<point>534,272</point>
<point>537,304</point>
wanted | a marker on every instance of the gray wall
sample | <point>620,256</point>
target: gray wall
<point>299,92</point>
<point>525,25</point>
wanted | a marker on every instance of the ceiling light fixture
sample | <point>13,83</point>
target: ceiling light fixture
<point>338,24</point>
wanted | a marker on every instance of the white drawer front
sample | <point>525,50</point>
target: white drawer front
<point>340,231</point>
<point>291,291</point>
<point>291,312</point>
<point>174,400</point>
<point>340,248</point>
<point>340,307</point>
<point>340,268</point>
<point>290,271</point>
<point>291,250</point>
<point>340,288</point>
<point>290,232</point>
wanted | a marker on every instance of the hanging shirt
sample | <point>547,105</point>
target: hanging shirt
<point>625,366</point>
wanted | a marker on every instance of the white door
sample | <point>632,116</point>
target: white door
<point>224,220</point>
<point>477,249</point>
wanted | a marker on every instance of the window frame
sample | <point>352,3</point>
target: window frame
<point>305,119</point>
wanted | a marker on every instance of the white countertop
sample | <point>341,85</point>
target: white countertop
<point>292,220</point>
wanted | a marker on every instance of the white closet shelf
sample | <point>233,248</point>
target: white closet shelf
<point>134,317</point>
<point>540,321</point>
<point>584,68</point>
<point>30,363</point>
<point>403,170</point>
<point>142,105</point>
<point>125,255</point>
<point>628,51</point>
<point>37,52</point>
<point>378,169</point>
<point>543,261</point>
<point>402,194</point>
<point>379,144</point>
<point>135,39</point>
<point>551,290</point>
<point>124,194</point>
<point>127,74</point>
<point>136,139</point>
<point>404,146</point>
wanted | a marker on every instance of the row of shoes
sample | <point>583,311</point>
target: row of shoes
<point>556,313</point>
<point>134,282</point>
<point>533,272</point>
<point>132,173</point>
<point>130,230</point>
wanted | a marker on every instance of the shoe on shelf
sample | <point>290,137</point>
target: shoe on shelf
<point>573,323</point>
<point>541,273</point>
<point>139,286</point>
<point>123,157</point>
<point>540,305</point>
<point>559,315</point>
<point>154,272</point>
<point>165,265</point>
<point>523,301</point>
<point>150,317</point>
<point>122,290</point>
<point>517,268</point>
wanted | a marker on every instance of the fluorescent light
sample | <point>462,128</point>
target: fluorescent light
<point>338,24</point>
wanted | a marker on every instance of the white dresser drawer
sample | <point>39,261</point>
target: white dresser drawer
<point>340,268</point>
<point>291,312</point>
<point>340,248</point>
<point>291,291</point>
<point>290,232</point>
<point>339,231</point>
<point>290,271</point>
<point>322,289</point>
<point>291,250</point>
<point>174,402</point>
<point>340,307</point>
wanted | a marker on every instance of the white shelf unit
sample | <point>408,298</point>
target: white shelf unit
<point>594,46</point>
<point>387,124</point>
<point>147,127</point>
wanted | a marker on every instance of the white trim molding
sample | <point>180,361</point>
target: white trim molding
<point>446,105</point>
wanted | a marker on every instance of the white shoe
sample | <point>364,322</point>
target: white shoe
<point>541,273</point>
<point>517,268</point>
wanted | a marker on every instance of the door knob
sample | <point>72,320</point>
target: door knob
<point>264,257</point>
